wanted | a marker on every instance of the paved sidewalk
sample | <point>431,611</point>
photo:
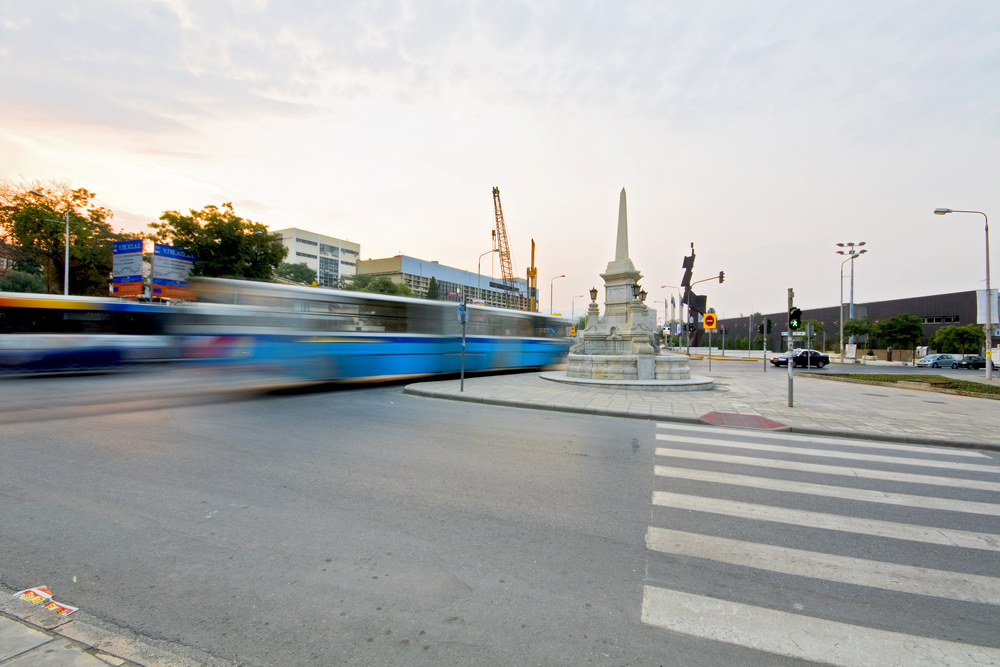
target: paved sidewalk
<point>32,636</point>
<point>820,406</point>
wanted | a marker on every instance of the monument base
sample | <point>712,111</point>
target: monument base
<point>693,383</point>
<point>628,367</point>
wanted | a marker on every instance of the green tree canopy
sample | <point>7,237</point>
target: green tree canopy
<point>299,273</point>
<point>433,292</point>
<point>33,228</point>
<point>20,281</point>
<point>228,246</point>
<point>377,284</point>
<point>857,328</point>
<point>954,338</point>
<point>901,331</point>
<point>817,326</point>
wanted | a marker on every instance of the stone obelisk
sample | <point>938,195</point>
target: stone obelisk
<point>620,274</point>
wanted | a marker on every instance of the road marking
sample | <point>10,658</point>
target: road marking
<point>798,636</point>
<point>827,453</point>
<point>847,524</point>
<point>829,567</point>
<point>848,493</point>
<point>844,471</point>
<point>846,442</point>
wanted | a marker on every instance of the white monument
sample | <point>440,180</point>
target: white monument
<point>620,348</point>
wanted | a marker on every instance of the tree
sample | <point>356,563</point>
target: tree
<point>954,338</point>
<point>299,273</point>
<point>33,227</point>
<point>901,331</point>
<point>21,281</point>
<point>432,289</point>
<point>227,245</point>
<point>857,328</point>
<point>377,284</point>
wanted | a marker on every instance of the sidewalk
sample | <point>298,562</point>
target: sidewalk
<point>821,407</point>
<point>32,636</point>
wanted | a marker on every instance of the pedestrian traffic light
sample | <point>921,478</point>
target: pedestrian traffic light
<point>725,329</point>
<point>769,324</point>
<point>795,318</point>
<point>760,328</point>
<point>722,277</point>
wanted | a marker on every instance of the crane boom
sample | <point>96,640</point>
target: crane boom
<point>503,245</point>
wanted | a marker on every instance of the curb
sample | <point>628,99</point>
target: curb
<point>893,385</point>
<point>414,390</point>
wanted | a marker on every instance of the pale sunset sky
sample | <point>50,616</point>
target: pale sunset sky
<point>763,132</point>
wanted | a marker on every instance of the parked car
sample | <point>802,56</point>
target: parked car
<point>938,361</point>
<point>803,358</point>
<point>975,363</point>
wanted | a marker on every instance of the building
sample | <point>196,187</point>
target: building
<point>332,259</point>
<point>452,283</point>
<point>937,310</point>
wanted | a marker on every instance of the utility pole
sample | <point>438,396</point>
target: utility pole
<point>791,364</point>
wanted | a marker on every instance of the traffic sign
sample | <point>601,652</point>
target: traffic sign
<point>709,321</point>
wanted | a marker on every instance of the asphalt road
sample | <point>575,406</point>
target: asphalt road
<point>361,526</point>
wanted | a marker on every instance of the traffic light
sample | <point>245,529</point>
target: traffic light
<point>769,323</point>
<point>760,328</point>
<point>725,329</point>
<point>795,318</point>
<point>722,277</point>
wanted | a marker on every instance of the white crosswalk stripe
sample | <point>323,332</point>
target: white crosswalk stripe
<point>827,440</point>
<point>845,492</point>
<point>830,453</point>
<point>800,635</point>
<point>913,478</point>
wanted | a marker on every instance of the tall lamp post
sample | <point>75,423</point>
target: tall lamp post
<point>552,310</point>
<point>852,255</point>
<point>479,268</point>
<point>66,267</point>
<point>989,295</point>
<point>573,310</point>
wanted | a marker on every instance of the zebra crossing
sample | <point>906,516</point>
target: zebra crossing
<point>832,550</point>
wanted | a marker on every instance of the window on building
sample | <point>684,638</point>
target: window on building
<point>329,249</point>
<point>305,254</point>
<point>307,242</point>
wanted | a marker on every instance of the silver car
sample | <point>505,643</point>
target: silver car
<point>938,361</point>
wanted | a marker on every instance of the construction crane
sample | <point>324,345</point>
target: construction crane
<point>503,246</point>
<point>532,281</point>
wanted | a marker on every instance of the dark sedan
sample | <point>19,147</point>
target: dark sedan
<point>803,358</point>
<point>975,363</point>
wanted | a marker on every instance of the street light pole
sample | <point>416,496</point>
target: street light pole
<point>552,310</point>
<point>852,255</point>
<point>989,295</point>
<point>573,310</point>
<point>66,265</point>
<point>479,269</point>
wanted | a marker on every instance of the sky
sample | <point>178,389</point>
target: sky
<point>764,133</point>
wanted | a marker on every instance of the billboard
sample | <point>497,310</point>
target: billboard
<point>171,267</point>
<point>126,274</point>
<point>981,306</point>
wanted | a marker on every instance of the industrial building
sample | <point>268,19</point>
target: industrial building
<point>331,258</point>
<point>452,283</point>
<point>938,310</point>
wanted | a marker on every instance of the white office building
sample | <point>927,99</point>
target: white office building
<point>332,259</point>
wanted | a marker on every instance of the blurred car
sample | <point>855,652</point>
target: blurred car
<point>975,363</point>
<point>803,358</point>
<point>938,360</point>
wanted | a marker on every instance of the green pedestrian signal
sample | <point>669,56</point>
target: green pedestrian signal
<point>795,318</point>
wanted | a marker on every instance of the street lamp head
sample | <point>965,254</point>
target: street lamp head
<point>642,295</point>
<point>862,252</point>
<point>593,294</point>
<point>942,211</point>
<point>840,245</point>
<point>36,193</point>
<point>862,243</point>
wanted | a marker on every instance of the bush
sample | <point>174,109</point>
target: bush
<point>20,281</point>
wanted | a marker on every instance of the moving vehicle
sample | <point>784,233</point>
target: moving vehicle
<point>804,358</point>
<point>938,361</point>
<point>974,362</point>
<point>285,331</point>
